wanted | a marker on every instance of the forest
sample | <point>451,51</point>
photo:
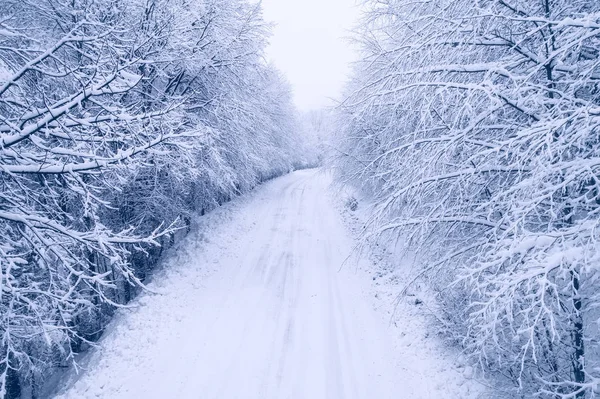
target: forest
<point>469,129</point>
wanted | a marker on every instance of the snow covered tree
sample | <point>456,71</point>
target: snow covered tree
<point>476,123</point>
<point>319,127</point>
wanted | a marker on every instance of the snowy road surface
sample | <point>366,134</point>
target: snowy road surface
<point>257,307</point>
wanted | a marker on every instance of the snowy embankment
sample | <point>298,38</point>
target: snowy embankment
<point>411,310</point>
<point>255,303</point>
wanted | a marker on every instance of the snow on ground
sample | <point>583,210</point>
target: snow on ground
<point>437,370</point>
<point>255,303</point>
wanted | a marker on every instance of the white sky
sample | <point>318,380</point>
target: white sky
<point>308,46</point>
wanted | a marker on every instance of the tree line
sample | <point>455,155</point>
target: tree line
<point>119,121</point>
<point>474,126</point>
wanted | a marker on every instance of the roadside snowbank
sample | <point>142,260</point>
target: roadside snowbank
<point>434,369</point>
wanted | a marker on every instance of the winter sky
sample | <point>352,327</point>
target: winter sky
<point>310,48</point>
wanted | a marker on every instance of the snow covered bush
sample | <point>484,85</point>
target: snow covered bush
<point>118,121</point>
<point>476,125</point>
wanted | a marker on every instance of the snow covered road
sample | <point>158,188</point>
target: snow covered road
<point>257,307</point>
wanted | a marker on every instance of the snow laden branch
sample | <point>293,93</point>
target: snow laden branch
<point>476,124</point>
